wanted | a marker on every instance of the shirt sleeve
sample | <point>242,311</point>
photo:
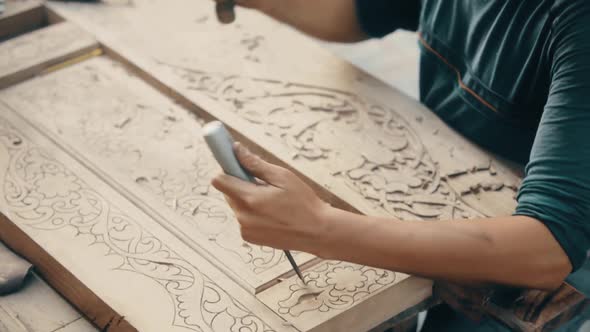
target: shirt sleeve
<point>556,187</point>
<point>381,17</point>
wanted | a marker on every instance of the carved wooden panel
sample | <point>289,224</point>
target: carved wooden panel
<point>25,56</point>
<point>153,150</point>
<point>112,247</point>
<point>371,147</point>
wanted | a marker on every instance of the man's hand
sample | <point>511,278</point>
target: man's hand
<point>331,20</point>
<point>285,213</point>
<point>282,213</point>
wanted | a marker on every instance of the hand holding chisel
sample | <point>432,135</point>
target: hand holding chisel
<point>221,144</point>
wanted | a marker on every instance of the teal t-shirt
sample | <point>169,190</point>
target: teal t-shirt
<point>514,77</point>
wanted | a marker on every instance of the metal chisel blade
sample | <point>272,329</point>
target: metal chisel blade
<point>294,265</point>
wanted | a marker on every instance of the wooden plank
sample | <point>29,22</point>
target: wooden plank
<point>28,55</point>
<point>361,145</point>
<point>21,16</point>
<point>38,308</point>
<point>106,256</point>
<point>153,152</point>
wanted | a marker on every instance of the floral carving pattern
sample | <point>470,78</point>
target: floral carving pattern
<point>334,286</point>
<point>43,194</point>
<point>326,125</point>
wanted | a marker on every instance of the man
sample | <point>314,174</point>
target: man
<point>512,76</point>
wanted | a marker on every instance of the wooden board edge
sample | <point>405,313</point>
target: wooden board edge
<point>87,302</point>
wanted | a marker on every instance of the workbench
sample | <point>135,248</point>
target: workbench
<point>105,176</point>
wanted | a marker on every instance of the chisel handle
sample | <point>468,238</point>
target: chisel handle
<point>221,144</point>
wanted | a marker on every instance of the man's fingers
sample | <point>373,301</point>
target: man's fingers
<point>270,173</point>
<point>232,186</point>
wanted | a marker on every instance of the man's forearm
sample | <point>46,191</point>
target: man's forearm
<point>332,20</point>
<point>515,250</point>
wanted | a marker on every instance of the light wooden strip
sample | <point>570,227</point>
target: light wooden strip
<point>30,54</point>
<point>152,151</point>
<point>117,265</point>
<point>21,16</point>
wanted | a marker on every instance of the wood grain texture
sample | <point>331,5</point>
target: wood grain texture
<point>153,151</point>
<point>104,254</point>
<point>21,16</point>
<point>362,145</point>
<point>38,308</point>
<point>28,55</point>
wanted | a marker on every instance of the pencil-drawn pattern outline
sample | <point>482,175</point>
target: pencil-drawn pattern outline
<point>333,286</point>
<point>41,193</point>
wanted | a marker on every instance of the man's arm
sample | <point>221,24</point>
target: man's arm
<point>342,20</point>
<point>286,214</point>
<point>331,20</point>
<point>512,250</point>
